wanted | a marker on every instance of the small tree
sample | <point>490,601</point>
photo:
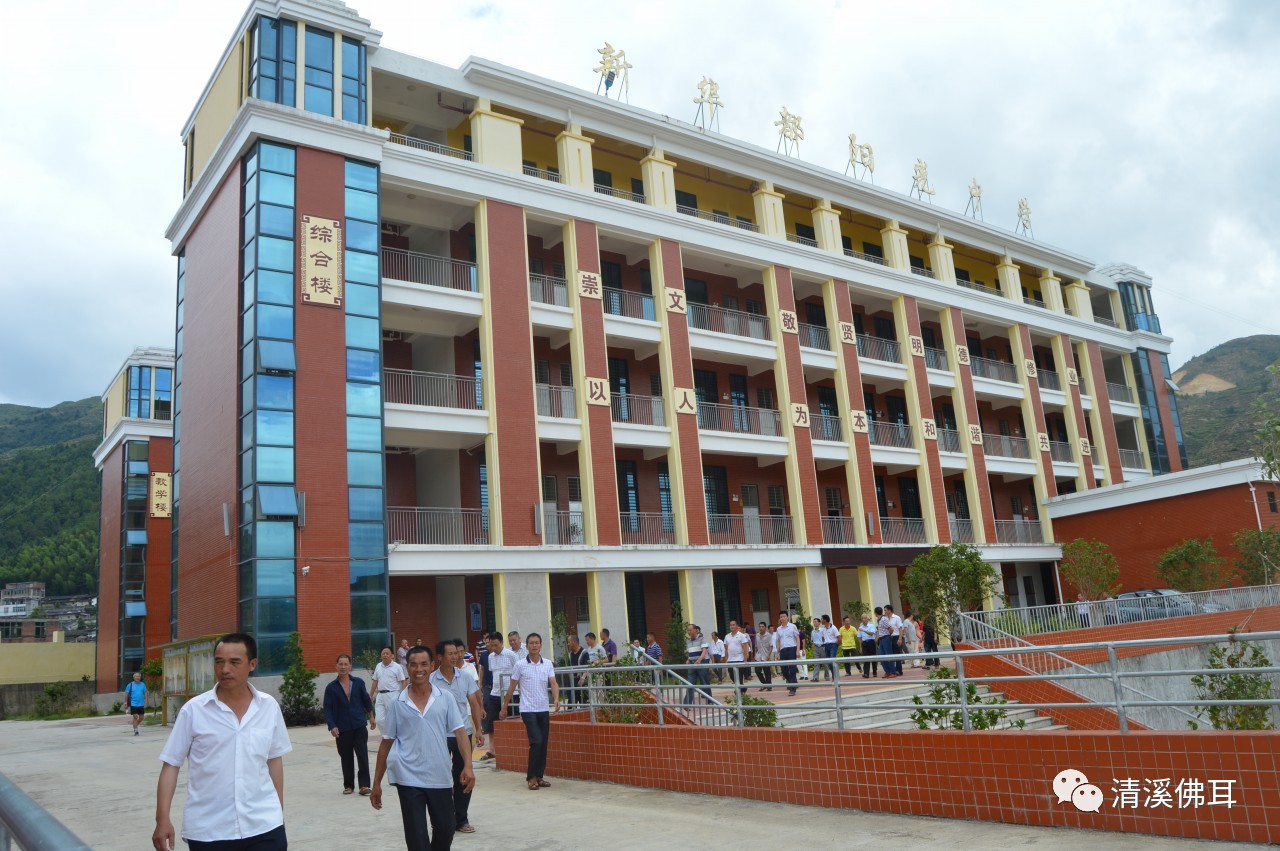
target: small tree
<point>1193,565</point>
<point>560,637</point>
<point>1090,568</point>
<point>1259,560</point>
<point>949,580</point>
<point>368,659</point>
<point>57,699</point>
<point>1238,654</point>
<point>153,676</point>
<point>985,713</point>
<point>298,688</point>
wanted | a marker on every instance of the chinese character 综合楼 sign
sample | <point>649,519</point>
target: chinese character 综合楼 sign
<point>1029,366</point>
<point>858,422</point>
<point>160,502</point>
<point>975,435</point>
<point>589,285</point>
<point>320,257</point>
<point>1085,449</point>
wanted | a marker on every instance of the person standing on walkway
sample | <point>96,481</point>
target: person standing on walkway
<point>895,633</point>
<point>575,684</point>
<point>931,645</point>
<point>402,654</point>
<point>449,678</point>
<point>697,651</point>
<point>737,652</point>
<point>848,643</point>
<point>787,637</point>
<point>1082,611</point>
<point>867,635</point>
<point>233,740</point>
<point>415,749</point>
<point>348,713</point>
<point>717,656</point>
<point>500,663</point>
<point>766,653</point>
<point>654,650</point>
<point>610,646</point>
<point>534,675</point>
<point>911,638</point>
<point>830,641</point>
<point>135,697</point>
<point>388,679</point>
<point>884,641</point>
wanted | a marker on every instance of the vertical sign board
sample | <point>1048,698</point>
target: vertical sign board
<point>320,259</point>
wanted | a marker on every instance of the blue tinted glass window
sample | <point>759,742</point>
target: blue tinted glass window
<point>363,333</point>
<point>319,49</point>
<point>275,391</point>
<point>135,610</point>
<point>249,256</point>
<point>251,190</point>
<point>276,220</point>
<point>364,433</point>
<point>367,540</point>
<point>275,321</point>
<point>276,355</point>
<point>275,427</point>
<point>364,399</point>
<point>277,500</point>
<point>276,157</point>
<point>362,236</point>
<point>362,366</point>
<point>362,205</point>
<point>275,253</point>
<point>268,32</point>
<point>318,100</point>
<point>361,176</point>
<point>275,287</point>
<point>276,614</point>
<point>364,468</point>
<point>275,188</point>
<point>362,268</point>
<point>365,503</point>
<point>368,576</point>
<point>369,611</point>
<point>275,577</point>
<point>275,464</point>
<point>361,299</point>
<point>274,539</point>
<point>135,537</point>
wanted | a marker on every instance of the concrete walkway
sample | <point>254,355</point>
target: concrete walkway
<point>100,782</point>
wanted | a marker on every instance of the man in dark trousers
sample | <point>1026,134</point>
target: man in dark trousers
<point>347,710</point>
<point>448,678</point>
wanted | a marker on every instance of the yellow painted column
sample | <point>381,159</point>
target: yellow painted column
<point>522,601</point>
<point>942,260</point>
<point>495,138</point>
<point>659,176</point>
<point>1007,276</point>
<point>578,363</point>
<point>670,395</point>
<point>917,415</point>
<point>1084,473</point>
<point>973,485</point>
<point>874,585</point>
<point>768,207</point>
<point>1095,384</point>
<point>1051,289</point>
<point>1021,357</point>
<point>815,592</point>
<point>782,387</point>
<point>826,227</point>
<point>1117,308</point>
<point>573,152</point>
<point>337,74</point>
<point>1131,381</point>
<point>697,602</point>
<point>897,255</point>
<point>1076,295</point>
<point>607,597</point>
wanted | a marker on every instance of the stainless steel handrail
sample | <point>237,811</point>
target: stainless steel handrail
<point>30,825</point>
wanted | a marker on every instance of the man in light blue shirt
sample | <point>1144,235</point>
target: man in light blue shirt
<point>415,749</point>
<point>135,693</point>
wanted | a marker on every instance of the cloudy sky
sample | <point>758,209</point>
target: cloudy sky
<point>1141,132</point>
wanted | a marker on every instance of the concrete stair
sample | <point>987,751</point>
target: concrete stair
<point>864,709</point>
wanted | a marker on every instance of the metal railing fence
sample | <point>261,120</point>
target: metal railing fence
<point>428,269</point>
<point>31,826</point>
<point>437,526</point>
<point>431,389</point>
<point>627,303</point>
<point>432,147</point>
<point>641,410</point>
<point>739,418</point>
<point>723,320</point>
<point>548,289</point>
<point>555,401</point>
<point>879,348</point>
<point>996,370</point>
<point>814,336</point>
<point>748,529</point>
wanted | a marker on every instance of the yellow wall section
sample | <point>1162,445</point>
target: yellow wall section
<point>621,168</point>
<point>115,403</point>
<point>713,194</point>
<point>539,148</point>
<point>46,662</point>
<point>219,107</point>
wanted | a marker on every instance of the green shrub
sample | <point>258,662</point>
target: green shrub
<point>298,688</point>
<point>56,699</point>
<point>758,717</point>
<point>944,688</point>
<point>1236,685</point>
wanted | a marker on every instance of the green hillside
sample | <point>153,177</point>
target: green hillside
<point>49,495</point>
<point>1218,424</point>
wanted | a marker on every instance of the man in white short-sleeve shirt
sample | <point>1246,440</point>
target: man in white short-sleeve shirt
<point>787,641</point>
<point>234,740</point>
<point>388,679</point>
<point>737,648</point>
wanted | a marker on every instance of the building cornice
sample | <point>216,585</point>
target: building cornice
<point>130,428</point>
<point>160,356</point>
<point>1195,480</point>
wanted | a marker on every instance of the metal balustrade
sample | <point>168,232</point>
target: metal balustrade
<point>428,269</point>
<point>948,440</point>
<point>437,526</point>
<point>869,258</point>
<point>1133,459</point>
<point>749,529</point>
<point>740,419</point>
<point>802,240</point>
<point>1034,302</point>
<point>936,359</point>
<point>981,288</point>
<point>638,410</point>
<point>923,272</point>
<point>996,370</point>
<point>825,427</point>
<point>432,147</point>
<point>1019,532</point>
<point>1048,380</point>
<point>879,348</point>
<point>648,528</point>
<point>961,530</point>
<point>838,530</point>
<point>563,528</point>
<point>431,389</point>
<point>1103,320</point>
<point>627,303</point>
<point>1005,446</point>
<point>601,189</point>
<point>719,219</point>
<point>815,336</point>
<point>891,434</point>
<point>1060,451</point>
<point>31,826</point>
<point>902,530</point>
<point>542,173</point>
<point>1119,392</point>
<point>723,320</point>
<point>554,401</point>
<point>548,289</point>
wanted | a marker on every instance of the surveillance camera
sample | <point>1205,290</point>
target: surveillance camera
<point>306,568</point>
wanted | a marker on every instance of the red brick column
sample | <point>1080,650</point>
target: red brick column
<point>1102,404</point>
<point>932,466</point>
<point>1068,368</point>
<point>805,503</point>
<point>859,442</point>
<point>966,396</point>
<point>1037,426</point>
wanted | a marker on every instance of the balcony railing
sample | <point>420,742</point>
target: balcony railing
<point>1119,393</point>
<point>948,440</point>
<point>740,419</point>
<point>1060,451</point>
<point>981,288</point>
<point>562,528</point>
<point>858,255</point>
<point>891,434</point>
<point>1005,446</point>
<point>961,530</point>
<point>1133,459</point>
<point>902,530</point>
<point>628,303</point>
<point>542,173</point>
<point>431,389</point>
<point>1104,320</point>
<point>996,370</point>
<point>923,272</point>
<point>878,348</point>
<point>639,410</point>
<point>815,336</point>
<point>428,269</point>
<point>1019,532</point>
<point>548,289</point>
<point>722,320</point>
<point>555,401</point>
<point>1048,380</point>
<point>654,529</point>
<point>935,359</point>
<point>838,530</point>
<point>437,526</point>
<point>433,147</point>
<point>825,427</point>
<point>619,193</point>
<point>712,217</point>
<point>802,240</point>
<point>1034,302</point>
<point>747,529</point>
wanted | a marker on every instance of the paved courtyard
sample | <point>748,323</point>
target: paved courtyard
<point>100,782</point>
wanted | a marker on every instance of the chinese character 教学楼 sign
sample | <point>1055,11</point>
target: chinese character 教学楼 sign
<point>161,497</point>
<point>320,256</point>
